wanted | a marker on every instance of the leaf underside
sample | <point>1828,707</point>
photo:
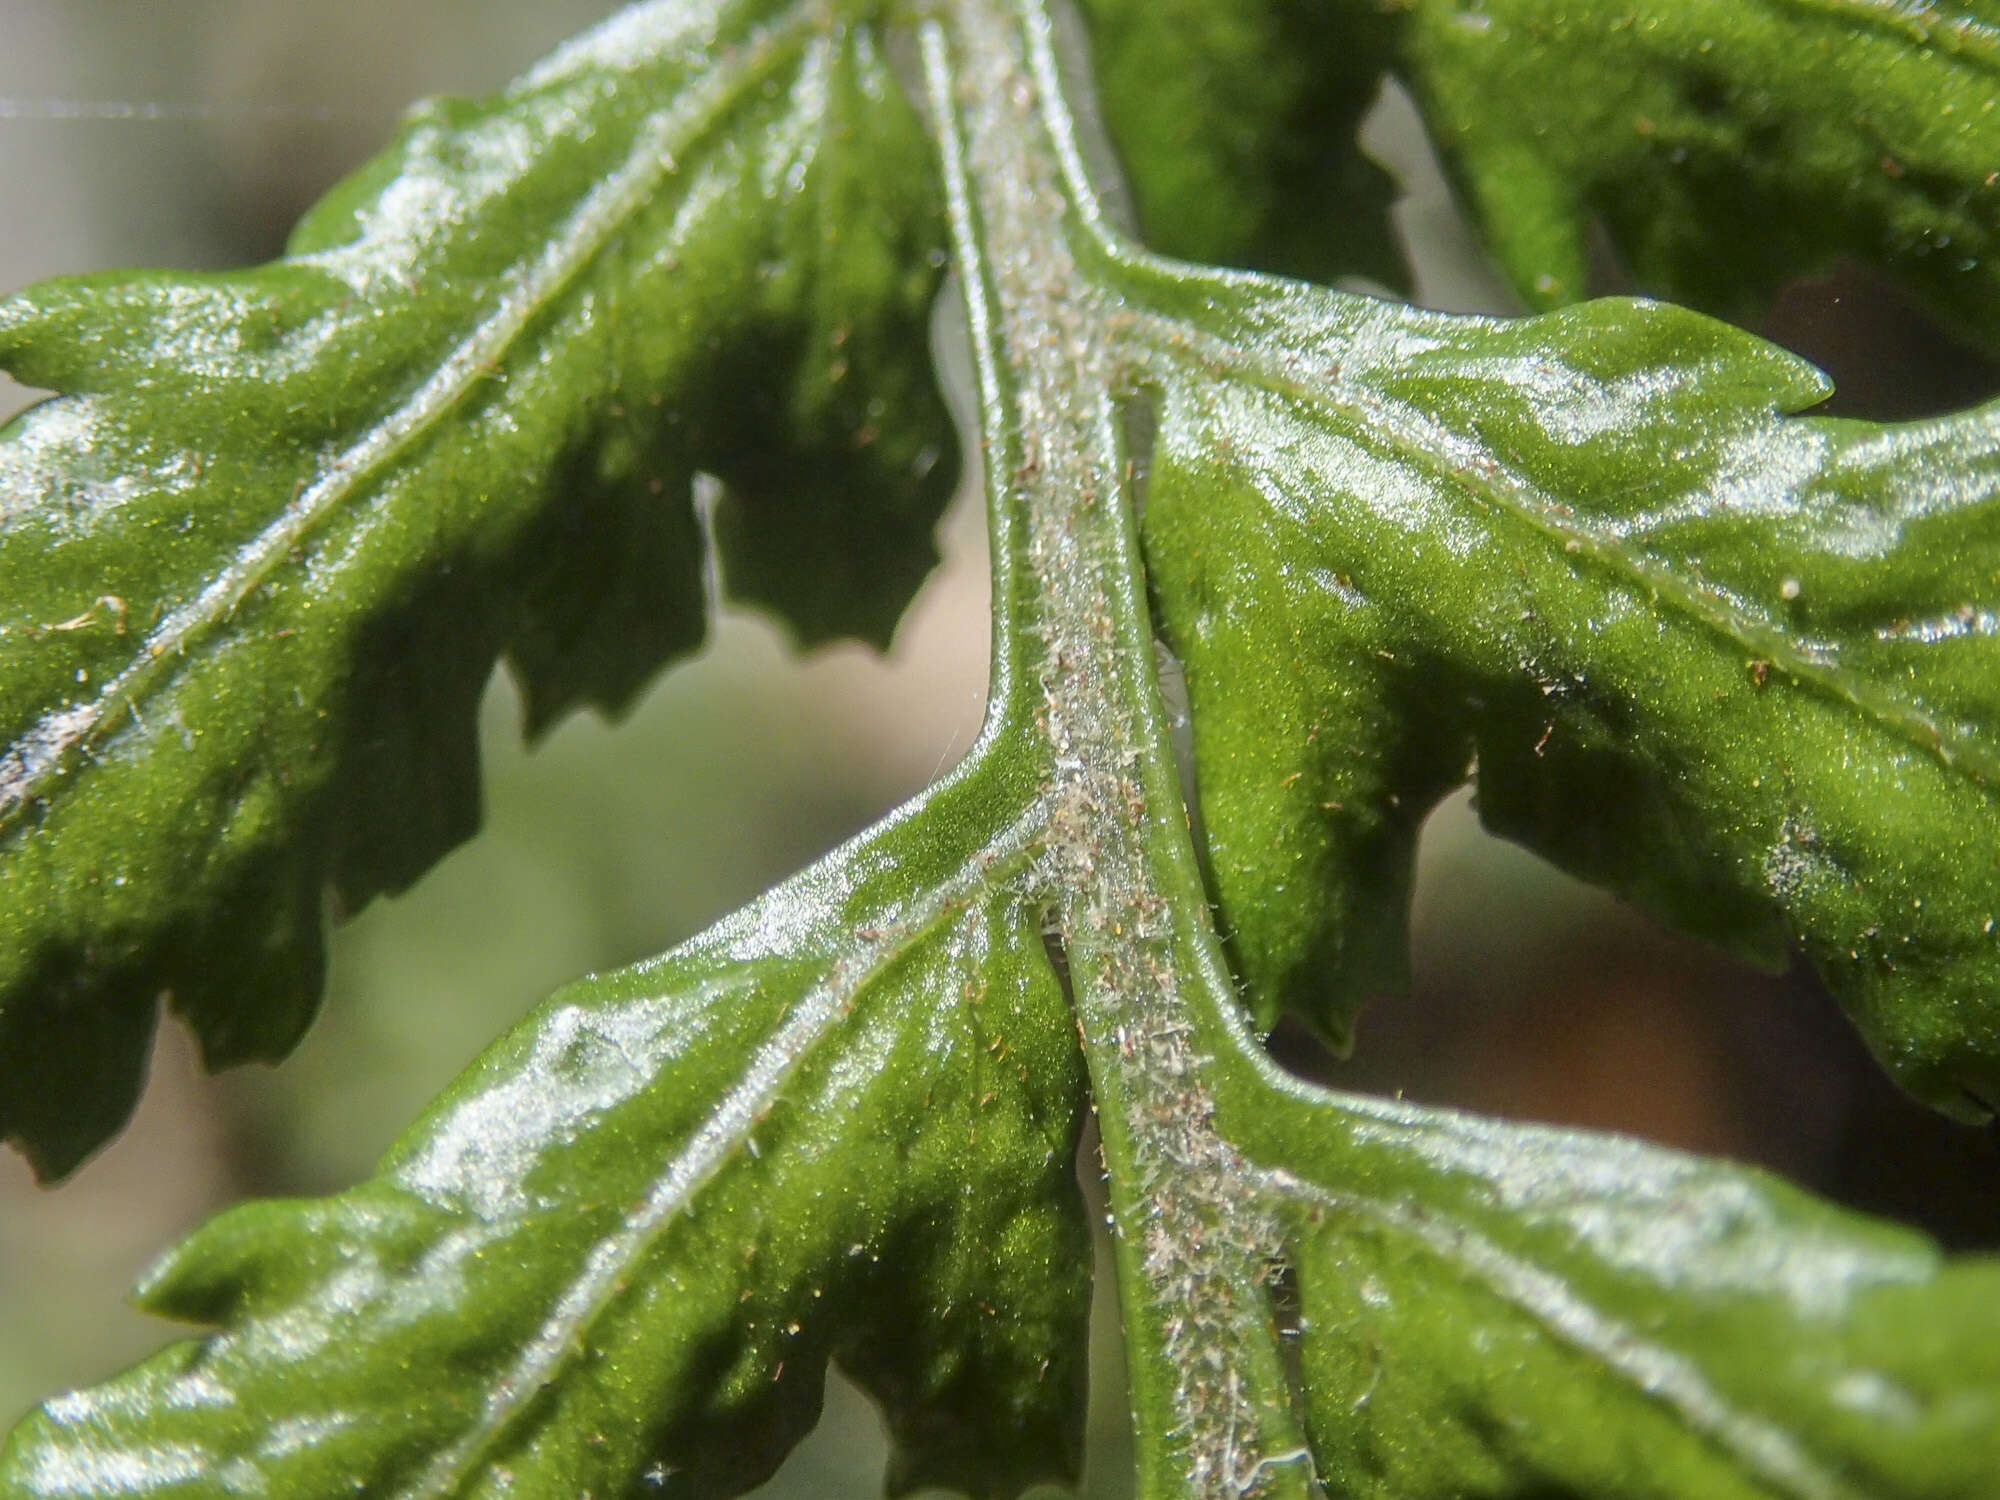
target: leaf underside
<point>1732,661</point>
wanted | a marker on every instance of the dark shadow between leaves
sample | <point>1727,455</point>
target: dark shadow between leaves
<point>1889,359</point>
<point>1539,998</point>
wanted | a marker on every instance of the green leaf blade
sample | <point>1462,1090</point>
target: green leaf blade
<point>1685,636</point>
<point>260,557</point>
<point>842,1124</point>
<point>1235,126</point>
<point>1726,147</point>
<point>1589,554</point>
<point>1493,1308</point>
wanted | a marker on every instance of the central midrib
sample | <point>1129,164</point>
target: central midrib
<point>1210,1403</point>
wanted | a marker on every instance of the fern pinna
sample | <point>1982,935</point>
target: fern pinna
<point>261,551</point>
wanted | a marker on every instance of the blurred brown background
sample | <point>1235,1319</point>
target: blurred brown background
<point>191,132</point>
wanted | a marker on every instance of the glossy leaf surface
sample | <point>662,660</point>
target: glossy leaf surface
<point>1737,666</point>
<point>1734,661</point>
<point>624,1245</point>
<point>1484,1308</point>
<point>259,558</point>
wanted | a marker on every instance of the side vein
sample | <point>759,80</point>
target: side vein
<point>1487,482</point>
<point>1661,1374</point>
<point>44,750</point>
<point>724,1132</point>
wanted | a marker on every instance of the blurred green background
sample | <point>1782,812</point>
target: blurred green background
<point>191,132</point>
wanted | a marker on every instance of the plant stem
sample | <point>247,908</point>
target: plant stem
<point>1212,1410</point>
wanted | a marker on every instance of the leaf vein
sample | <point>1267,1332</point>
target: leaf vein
<point>724,1132</point>
<point>1469,467</point>
<point>53,742</point>
<point>1661,1374</point>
